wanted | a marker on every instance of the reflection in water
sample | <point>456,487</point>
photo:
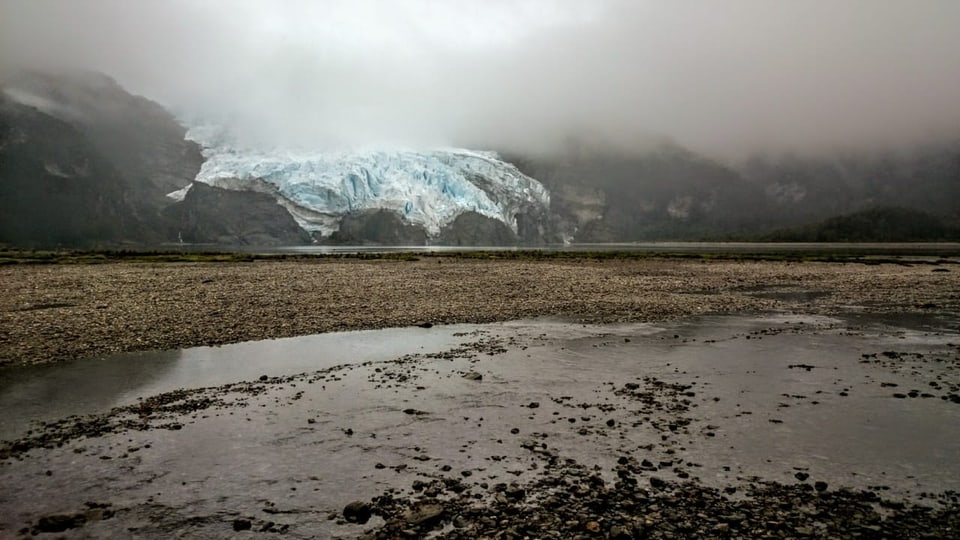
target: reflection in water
<point>95,385</point>
<point>76,387</point>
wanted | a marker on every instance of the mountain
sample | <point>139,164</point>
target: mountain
<point>881,224</point>
<point>57,187</point>
<point>670,193</point>
<point>85,163</point>
<point>802,190</point>
<point>664,193</point>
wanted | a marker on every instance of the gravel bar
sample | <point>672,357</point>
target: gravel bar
<point>52,313</point>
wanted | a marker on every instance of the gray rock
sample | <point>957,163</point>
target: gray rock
<point>357,512</point>
<point>60,522</point>
<point>425,514</point>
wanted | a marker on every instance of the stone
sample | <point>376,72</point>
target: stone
<point>515,492</point>
<point>60,522</point>
<point>425,514</point>
<point>357,512</point>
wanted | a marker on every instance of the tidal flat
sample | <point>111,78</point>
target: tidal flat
<point>655,398</point>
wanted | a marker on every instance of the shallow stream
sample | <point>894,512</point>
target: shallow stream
<point>859,402</point>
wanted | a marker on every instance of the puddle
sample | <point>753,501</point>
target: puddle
<point>719,400</point>
<point>784,293</point>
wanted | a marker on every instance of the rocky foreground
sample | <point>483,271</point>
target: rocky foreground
<point>529,430</point>
<point>57,312</point>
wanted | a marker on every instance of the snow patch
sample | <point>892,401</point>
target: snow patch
<point>180,194</point>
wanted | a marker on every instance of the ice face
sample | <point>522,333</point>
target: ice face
<point>429,188</point>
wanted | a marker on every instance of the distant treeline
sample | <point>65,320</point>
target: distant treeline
<point>881,224</point>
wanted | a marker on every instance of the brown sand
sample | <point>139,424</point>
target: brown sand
<point>57,312</point>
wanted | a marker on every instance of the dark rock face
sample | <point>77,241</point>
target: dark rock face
<point>213,215</point>
<point>56,187</point>
<point>83,162</point>
<point>378,227</point>
<point>140,138</point>
<point>473,229</point>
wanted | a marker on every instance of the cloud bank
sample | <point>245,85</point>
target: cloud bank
<point>725,78</point>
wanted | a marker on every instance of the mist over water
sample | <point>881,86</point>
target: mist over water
<point>723,78</point>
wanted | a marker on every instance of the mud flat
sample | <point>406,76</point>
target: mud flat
<point>780,425</point>
<point>52,313</point>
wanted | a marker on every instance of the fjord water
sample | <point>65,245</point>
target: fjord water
<point>718,399</point>
<point>885,249</point>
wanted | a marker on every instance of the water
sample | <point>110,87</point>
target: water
<point>860,248</point>
<point>760,397</point>
<point>48,392</point>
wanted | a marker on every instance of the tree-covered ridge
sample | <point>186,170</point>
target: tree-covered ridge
<point>880,224</point>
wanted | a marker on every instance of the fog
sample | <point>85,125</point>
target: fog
<point>724,78</point>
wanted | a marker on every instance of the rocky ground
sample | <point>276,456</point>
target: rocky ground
<point>534,431</point>
<point>56,312</point>
<point>483,441</point>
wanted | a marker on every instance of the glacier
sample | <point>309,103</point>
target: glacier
<point>426,187</point>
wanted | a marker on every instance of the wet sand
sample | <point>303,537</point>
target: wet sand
<point>51,313</point>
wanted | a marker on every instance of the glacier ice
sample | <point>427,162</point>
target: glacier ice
<point>429,188</point>
<point>180,194</point>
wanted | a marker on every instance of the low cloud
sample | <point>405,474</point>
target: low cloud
<point>725,78</point>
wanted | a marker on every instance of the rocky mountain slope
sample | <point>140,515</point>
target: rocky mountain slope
<point>84,163</point>
<point>670,193</point>
<point>56,187</point>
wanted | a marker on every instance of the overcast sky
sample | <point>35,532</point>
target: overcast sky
<point>719,76</point>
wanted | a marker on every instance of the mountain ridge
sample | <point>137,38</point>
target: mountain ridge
<point>85,163</point>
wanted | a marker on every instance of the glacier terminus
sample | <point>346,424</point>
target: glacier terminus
<point>429,188</point>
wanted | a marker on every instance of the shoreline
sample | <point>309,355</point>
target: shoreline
<point>52,313</point>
